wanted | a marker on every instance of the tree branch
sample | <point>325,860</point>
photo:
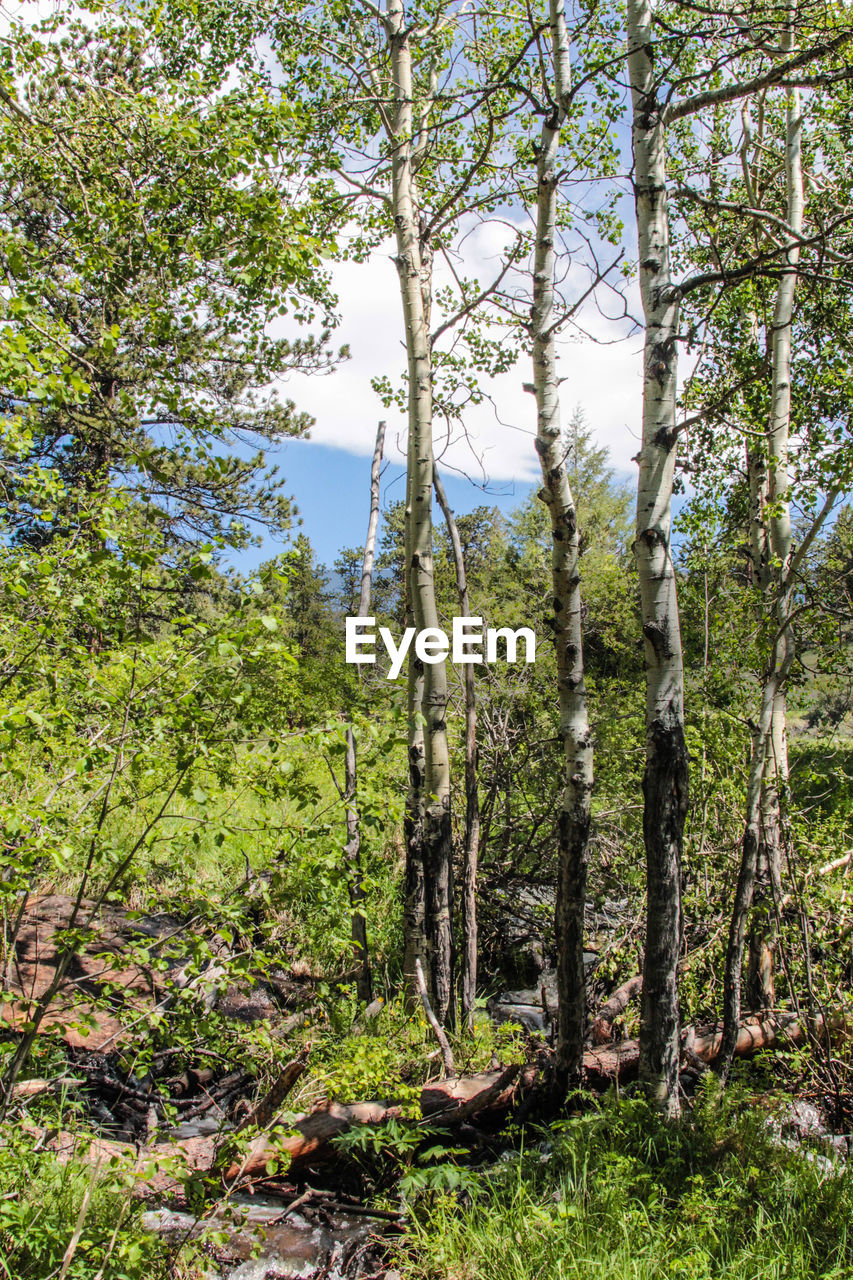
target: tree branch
<point>743,88</point>
<point>472,305</point>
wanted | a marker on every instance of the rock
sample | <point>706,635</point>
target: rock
<point>101,992</point>
<point>804,1120</point>
<point>802,1126</point>
<point>530,1016</point>
<point>525,1005</point>
<point>294,1247</point>
<point>204,1127</point>
<point>107,991</point>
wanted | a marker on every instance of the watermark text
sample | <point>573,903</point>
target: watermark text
<point>467,643</point>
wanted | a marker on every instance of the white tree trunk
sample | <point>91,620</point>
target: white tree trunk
<point>352,851</point>
<point>666,774</point>
<point>557,495</point>
<point>761,745</point>
<point>770,532</point>
<point>779,479</point>
<point>414,270</point>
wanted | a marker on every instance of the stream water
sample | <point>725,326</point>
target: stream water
<point>259,1245</point>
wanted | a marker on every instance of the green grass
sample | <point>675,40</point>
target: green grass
<point>617,1194</point>
<point>55,1214</point>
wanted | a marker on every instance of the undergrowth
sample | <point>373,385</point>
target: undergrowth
<point>394,1053</point>
<point>64,1218</point>
<point>617,1193</point>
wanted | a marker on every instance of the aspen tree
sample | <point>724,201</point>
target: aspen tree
<point>775,562</point>
<point>352,850</point>
<point>771,544</point>
<point>401,158</point>
<point>666,775</point>
<point>471,848</point>
<point>743,68</point>
<point>556,493</point>
<point>414,264</point>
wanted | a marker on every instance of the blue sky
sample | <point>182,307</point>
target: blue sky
<point>328,475</point>
<point>331,488</point>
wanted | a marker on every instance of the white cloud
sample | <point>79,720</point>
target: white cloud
<point>603,376</point>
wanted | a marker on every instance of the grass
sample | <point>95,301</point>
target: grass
<point>64,1219</point>
<point>617,1194</point>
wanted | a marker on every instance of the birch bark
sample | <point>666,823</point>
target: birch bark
<point>352,850</point>
<point>768,765</point>
<point>556,493</point>
<point>414,270</point>
<point>665,779</point>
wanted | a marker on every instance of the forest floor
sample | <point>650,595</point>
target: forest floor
<point>465,1178</point>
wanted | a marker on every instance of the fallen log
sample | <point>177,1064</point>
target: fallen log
<point>32,1088</point>
<point>448,1102</point>
<point>835,865</point>
<point>297,1021</point>
<point>228,1089</point>
<point>620,1062</point>
<point>611,1064</point>
<point>310,1133</point>
<point>601,1031</point>
<point>483,1093</point>
<point>444,1103</point>
<point>193,1079</point>
<point>755,1034</point>
<point>269,1106</point>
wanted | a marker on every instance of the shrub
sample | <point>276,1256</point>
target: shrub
<point>45,1203</point>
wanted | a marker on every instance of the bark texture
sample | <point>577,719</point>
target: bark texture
<point>666,774</point>
<point>414,267</point>
<point>556,493</point>
<point>471,851</point>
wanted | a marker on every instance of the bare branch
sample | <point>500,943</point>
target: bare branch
<point>473,304</point>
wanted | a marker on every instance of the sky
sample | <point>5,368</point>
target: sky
<point>495,463</point>
<point>328,474</point>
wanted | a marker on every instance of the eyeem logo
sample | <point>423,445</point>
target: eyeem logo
<point>432,644</point>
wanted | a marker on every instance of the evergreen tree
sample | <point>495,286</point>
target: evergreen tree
<point>147,239</point>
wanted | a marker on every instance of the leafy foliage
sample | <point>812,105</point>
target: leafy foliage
<point>147,240</point>
<point>51,1211</point>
